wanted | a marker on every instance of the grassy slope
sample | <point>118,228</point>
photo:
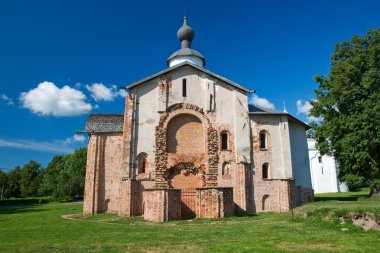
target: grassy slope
<point>41,229</point>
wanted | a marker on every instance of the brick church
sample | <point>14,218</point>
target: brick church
<point>189,145</point>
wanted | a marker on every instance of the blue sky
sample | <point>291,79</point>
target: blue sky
<point>61,60</point>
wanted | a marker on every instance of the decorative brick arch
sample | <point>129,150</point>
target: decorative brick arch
<point>161,156</point>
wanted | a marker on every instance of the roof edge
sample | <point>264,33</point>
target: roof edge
<point>94,132</point>
<point>238,86</point>
<point>283,113</point>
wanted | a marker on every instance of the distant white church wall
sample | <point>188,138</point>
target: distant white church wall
<point>324,171</point>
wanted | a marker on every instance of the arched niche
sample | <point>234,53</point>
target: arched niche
<point>266,203</point>
<point>185,135</point>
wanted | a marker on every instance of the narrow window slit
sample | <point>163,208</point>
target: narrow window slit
<point>184,88</point>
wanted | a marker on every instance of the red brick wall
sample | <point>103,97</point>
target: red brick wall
<point>181,181</point>
<point>104,159</point>
<point>185,135</point>
<point>162,204</point>
<point>214,202</point>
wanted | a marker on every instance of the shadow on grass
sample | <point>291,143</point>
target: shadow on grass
<point>20,209</point>
<point>347,198</point>
<point>245,215</point>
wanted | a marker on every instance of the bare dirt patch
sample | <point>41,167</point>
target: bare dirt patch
<point>366,222</point>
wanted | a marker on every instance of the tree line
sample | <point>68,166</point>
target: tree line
<point>62,178</point>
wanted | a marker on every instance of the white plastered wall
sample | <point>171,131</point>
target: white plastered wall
<point>323,173</point>
<point>279,142</point>
<point>299,155</point>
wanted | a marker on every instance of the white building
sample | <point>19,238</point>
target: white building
<point>324,171</point>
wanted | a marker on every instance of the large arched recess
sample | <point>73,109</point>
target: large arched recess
<point>185,135</point>
<point>178,156</point>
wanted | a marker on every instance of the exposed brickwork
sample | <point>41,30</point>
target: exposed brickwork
<point>213,158</point>
<point>128,194</point>
<point>243,189</point>
<point>185,136</point>
<point>161,158</point>
<point>186,154</point>
<point>162,204</point>
<point>186,175</point>
<point>104,159</point>
<point>214,202</point>
<point>126,169</point>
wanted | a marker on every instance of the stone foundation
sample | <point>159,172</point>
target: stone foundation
<point>162,204</point>
<point>214,202</point>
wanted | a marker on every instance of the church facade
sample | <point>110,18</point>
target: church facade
<point>189,145</point>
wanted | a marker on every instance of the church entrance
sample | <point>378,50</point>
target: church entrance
<point>187,182</point>
<point>188,203</point>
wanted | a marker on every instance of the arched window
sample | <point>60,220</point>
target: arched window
<point>142,163</point>
<point>265,171</point>
<point>263,140</point>
<point>184,87</point>
<point>265,203</point>
<point>226,169</point>
<point>224,141</point>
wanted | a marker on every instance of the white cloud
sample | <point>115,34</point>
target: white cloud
<point>57,146</point>
<point>6,99</point>
<point>100,92</point>
<point>78,138</point>
<point>48,99</point>
<point>71,140</point>
<point>263,102</point>
<point>304,108</point>
<point>122,92</point>
<point>48,147</point>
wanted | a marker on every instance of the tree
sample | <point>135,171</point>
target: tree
<point>64,175</point>
<point>75,168</point>
<point>14,178</point>
<point>311,132</point>
<point>348,101</point>
<point>49,175</point>
<point>3,184</point>
<point>30,179</point>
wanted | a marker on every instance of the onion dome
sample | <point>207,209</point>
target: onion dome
<point>186,35</point>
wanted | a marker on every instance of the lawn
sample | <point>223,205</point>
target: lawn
<point>41,228</point>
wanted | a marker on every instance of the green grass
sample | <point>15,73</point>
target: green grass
<point>343,196</point>
<point>40,228</point>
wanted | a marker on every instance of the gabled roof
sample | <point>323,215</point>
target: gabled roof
<point>104,123</point>
<point>193,66</point>
<point>258,110</point>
